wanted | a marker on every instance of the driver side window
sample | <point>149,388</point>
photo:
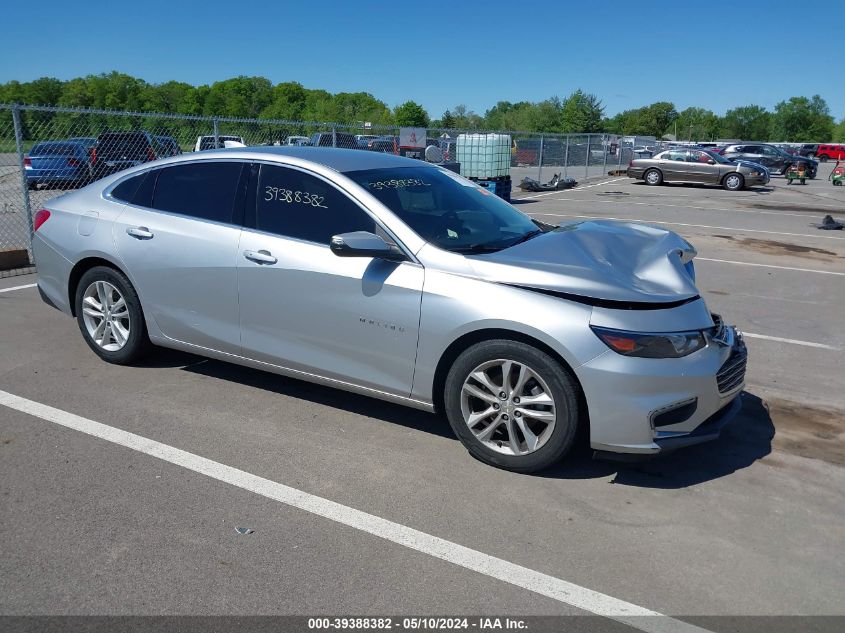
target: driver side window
<point>292,203</point>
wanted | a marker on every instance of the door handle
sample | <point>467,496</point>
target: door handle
<point>140,232</point>
<point>260,257</point>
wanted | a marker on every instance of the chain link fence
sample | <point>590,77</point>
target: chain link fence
<point>47,151</point>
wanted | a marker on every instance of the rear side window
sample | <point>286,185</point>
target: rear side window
<point>294,204</point>
<point>137,190</point>
<point>201,190</point>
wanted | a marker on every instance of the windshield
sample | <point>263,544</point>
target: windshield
<point>446,209</point>
<point>718,158</point>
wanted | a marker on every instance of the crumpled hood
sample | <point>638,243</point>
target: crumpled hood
<point>614,261</point>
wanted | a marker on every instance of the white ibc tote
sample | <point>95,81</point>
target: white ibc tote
<point>484,155</point>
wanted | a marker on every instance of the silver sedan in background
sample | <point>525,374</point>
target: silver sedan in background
<point>698,166</point>
<point>401,280</point>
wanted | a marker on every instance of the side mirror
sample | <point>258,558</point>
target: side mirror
<point>711,162</point>
<point>364,244</point>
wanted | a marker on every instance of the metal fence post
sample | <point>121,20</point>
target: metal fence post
<point>566,156</point>
<point>604,155</point>
<point>16,118</point>
<point>216,134</point>
<point>540,162</point>
<point>587,160</point>
<point>334,136</point>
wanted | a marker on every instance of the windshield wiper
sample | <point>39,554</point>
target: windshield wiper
<point>477,248</point>
<point>526,237</point>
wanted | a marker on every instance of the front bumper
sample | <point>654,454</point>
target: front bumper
<point>644,406</point>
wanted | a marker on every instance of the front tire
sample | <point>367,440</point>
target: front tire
<point>512,405</point>
<point>823,158</point>
<point>734,182</point>
<point>109,315</point>
<point>653,177</point>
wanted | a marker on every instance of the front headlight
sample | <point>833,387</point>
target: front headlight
<point>651,345</point>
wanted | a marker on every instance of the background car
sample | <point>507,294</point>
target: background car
<point>57,162</point>
<point>828,152</point>
<point>384,145</point>
<point>166,146</point>
<point>363,140</point>
<point>336,139</point>
<point>296,140</point>
<point>692,165</point>
<point>116,151</point>
<point>207,142</point>
<point>809,150</point>
<point>773,158</point>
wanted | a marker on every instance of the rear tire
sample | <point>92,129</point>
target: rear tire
<point>734,182</point>
<point>823,158</point>
<point>653,177</point>
<point>109,315</point>
<point>515,435</point>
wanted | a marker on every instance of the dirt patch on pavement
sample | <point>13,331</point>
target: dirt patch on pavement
<point>772,247</point>
<point>813,432</point>
<point>795,208</point>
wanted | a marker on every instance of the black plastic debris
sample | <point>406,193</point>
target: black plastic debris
<point>829,224</point>
<point>244,530</point>
<point>555,184</point>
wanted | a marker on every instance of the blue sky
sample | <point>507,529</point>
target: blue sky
<point>716,55</point>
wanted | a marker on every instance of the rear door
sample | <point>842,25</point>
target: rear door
<point>673,164</point>
<point>178,238</point>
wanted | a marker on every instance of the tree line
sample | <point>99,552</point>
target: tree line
<point>798,118</point>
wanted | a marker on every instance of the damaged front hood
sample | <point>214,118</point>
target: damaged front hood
<point>604,260</point>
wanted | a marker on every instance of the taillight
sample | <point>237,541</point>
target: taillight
<point>40,218</point>
<point>93,155</point>
<point>27,161</point>
<point>150,154</point>
<point>631,163</point>
<point>73,162</point>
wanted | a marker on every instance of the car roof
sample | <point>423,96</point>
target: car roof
<point>342,160</point>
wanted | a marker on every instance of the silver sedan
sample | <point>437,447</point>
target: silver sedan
<point>401,280</point>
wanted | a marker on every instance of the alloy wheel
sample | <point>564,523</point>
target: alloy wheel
<point>106,316</point>
<point>508,407</point>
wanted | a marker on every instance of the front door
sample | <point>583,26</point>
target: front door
<point>702,167</point>
<point>302,307</point>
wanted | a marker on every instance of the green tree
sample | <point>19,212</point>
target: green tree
<point>581,112</point>
<point>466,118</point>
<point>750,123</point>
<point>697,124</point>
<point>656,119</point>
<point>447,121</point>
<point>839,132</point>
<point>802,119</point>
<point>410,114</point>
<point>44,91</point>
<point>288,102</point>
<point>244,97</point>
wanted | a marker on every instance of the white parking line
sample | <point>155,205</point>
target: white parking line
<point>505,571</point>
<point>699,226</point>
<point>791,341</point>
<point>683,206</point>
<point>802,270</point>
<point>551,193</point>
<point>17,287</point>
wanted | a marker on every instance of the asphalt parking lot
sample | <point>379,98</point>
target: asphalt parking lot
<point>99,522</point>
